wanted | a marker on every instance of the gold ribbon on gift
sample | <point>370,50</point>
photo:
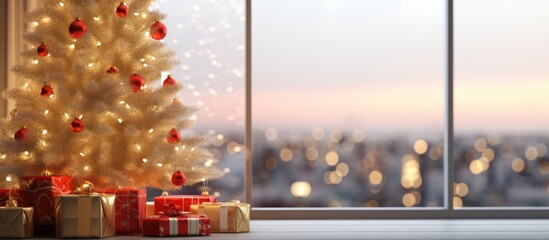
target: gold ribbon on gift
<point>230,216</point>
<point>87,214</point>
<point>86,188</point>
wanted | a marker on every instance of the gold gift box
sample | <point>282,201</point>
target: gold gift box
<point>225,217</point>
<point>16,222</point>
<point>84,216</point>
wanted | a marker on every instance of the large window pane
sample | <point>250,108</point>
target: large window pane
<point>501,104</point>
<point>208,37</point>
<point>348,103</point>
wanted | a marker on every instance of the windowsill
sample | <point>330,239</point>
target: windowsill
<point>387,229</point>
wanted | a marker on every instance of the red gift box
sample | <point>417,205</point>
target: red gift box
<point>184,201</point>
<point>129,208</point>
<point>184,225</point>
<point>5,194</point>
<point>39,192</point>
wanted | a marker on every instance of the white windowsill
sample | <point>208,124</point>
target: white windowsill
<point>387,229</point>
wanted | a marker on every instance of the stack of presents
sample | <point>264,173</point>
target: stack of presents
<point>49,205</point>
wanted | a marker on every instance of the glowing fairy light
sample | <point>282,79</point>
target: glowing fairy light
<point>127,106</point>
<point>145,160</point>
<point>176,148</point>
<point>137,147</point>
<point>34,24</point>
<point>66,115</point>
<point>136,14</point>
<point>35,61</point>
<point>26,153</point>
<point>121,102</point>
<point>98,43</point>
<point>151,130</point>
<point>86,168</point>
<point>82,154</point>
<point>61,4</point>
<point>120,120</point>
<point>90,65</point>
<point>97,18</point>
<point>4,156</point>
<point>44,132</point>
<point>46,20</point>
<point>145,65</point>
<point>72,46</point>
<point>8,178</point>
<point>159,164</point>
<point>80,117</point>
<point>26,85</point>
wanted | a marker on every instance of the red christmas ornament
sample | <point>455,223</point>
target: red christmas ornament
<point>158,30</point>
<point>77,28</point>
<point>178,178</point>
<point>21,134</point>
<point>77,125</point>
<point>46,91</point>
<point>169,81</point>
<point>112,69</point>
<point>42,50</point>
<point>173,136</point>
<point>122,10</point>
<point>137,82</point>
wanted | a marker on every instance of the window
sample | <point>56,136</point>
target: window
<point>348,103</point>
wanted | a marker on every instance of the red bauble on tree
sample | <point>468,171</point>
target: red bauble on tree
<point>77,28</point>
<point>77,125</point>
<point>21,134</point>
<point>46,91</point>
<point>178,178</point>
<point>173,136</point>
<point>158,31</point>
<point>122,10</point>
<point>42,50</point>
<point>169,81</point>
<point>137,82</point>
<point>112,69</point>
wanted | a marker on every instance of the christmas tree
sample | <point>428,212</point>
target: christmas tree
<point>92,102</point>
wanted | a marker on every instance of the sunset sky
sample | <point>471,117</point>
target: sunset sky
<point>371,64</point>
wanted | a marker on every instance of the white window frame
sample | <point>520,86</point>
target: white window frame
<point>12,38</point>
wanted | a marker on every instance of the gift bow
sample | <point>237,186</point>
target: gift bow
<point>87,188</point>
<point>171,210</point>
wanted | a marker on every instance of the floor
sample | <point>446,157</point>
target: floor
<point>388,229</point>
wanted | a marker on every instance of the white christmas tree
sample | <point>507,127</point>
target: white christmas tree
<point>92,103</point>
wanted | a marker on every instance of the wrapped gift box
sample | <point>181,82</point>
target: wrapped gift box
<point>150,209</point>
<point>16,222</point>
<point>129,209</point>
<point>85,216</point>
<point>184,201</point>
<point>5,193</point>
<point>40,192</point>
<point>225,217</point>
<point>184,225</point>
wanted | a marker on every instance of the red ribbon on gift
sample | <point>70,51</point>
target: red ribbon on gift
<point>171,210</point>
